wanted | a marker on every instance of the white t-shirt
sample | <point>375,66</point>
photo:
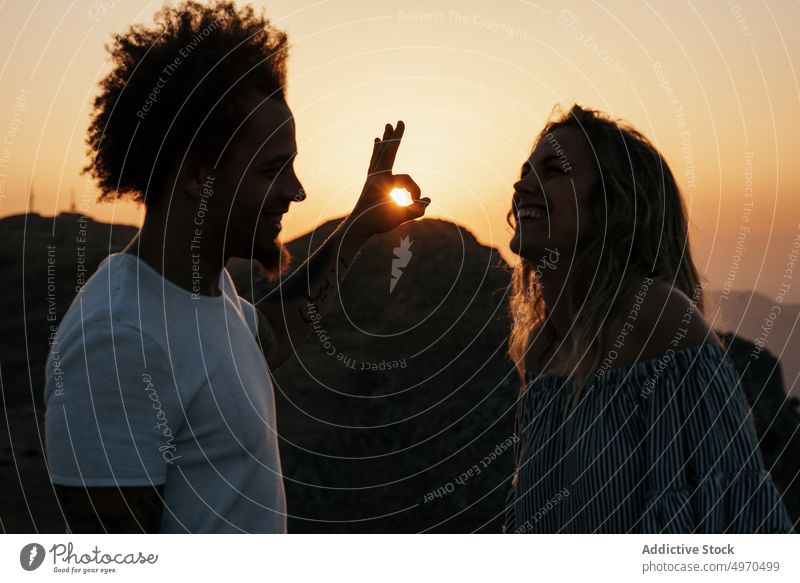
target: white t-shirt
<point>148,385</point>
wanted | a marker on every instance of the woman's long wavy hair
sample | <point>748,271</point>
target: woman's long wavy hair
<point>639,229</point>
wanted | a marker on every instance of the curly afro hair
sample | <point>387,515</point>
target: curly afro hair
<point>176,88</point>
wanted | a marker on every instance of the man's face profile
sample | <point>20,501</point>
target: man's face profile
<point>257,179</point>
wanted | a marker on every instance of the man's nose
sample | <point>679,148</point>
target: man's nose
<point>293,191</point>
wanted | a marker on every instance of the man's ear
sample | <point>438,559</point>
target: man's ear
<point>193,177</point>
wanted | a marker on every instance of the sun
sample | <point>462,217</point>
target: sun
<point>401,196</point>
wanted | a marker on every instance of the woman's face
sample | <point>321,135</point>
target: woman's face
<point>552,197</point>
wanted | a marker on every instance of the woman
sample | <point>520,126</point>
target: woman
<point>630,417</point>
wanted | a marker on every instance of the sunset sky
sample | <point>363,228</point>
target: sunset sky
<point>713,84</point>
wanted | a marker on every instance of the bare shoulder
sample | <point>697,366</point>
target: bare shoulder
<point>666,319</point>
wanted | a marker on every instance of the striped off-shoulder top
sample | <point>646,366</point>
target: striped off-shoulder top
<point>666,445</point>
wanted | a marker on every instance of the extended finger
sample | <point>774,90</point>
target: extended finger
<point>389,150</point>
<point>374,157</point>
<point>387,133</point>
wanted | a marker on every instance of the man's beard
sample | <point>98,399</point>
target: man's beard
<point>273,259</point>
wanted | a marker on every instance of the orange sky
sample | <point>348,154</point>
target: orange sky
<point>474,82</point>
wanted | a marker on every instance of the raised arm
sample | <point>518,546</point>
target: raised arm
<point>288,312</point>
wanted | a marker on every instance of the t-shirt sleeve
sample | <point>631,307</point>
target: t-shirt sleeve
<point>250,313</point>
<point>114,417</point>
<point>248,310</point>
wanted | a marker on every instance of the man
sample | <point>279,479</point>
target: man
<point>162,415</point>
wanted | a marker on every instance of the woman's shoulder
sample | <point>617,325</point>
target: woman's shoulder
<point>664,320</point>
<point>656,320</point>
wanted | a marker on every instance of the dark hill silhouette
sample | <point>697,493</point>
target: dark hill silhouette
<point>444,408</point>
<point>755,317</point>
<point>364,445</point>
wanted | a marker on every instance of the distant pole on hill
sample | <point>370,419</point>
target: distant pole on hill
<point>72,200</point>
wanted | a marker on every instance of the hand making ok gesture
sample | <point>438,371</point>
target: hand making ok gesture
<point>376,211</point>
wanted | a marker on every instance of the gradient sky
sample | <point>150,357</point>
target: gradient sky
<point>474,82</point>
